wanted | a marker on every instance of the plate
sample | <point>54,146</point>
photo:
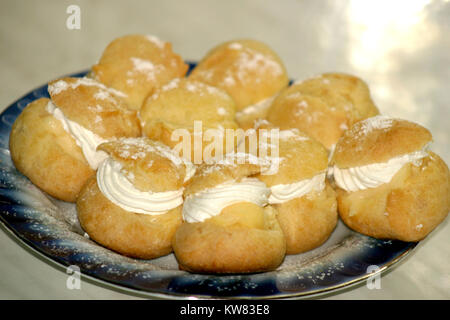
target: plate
<point>51,227</point>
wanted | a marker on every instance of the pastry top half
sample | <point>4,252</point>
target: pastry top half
<point>297,162</point>
<point>323,106</point>
<point>343,92</point>
<point>182,101</point>
<point>94,106</point>
<point>187,113</point>
<point>299,156</point>
<point>150,165</point>
<point>43,151</point>
<point>377,140</point>
<point>249,70</point>
<point>375,151</point>
<point>136,65</point>
<point>356,90</point>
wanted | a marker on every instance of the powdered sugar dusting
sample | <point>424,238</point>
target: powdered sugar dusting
<point>155,40</point>
<point>300,109</point>
<point>57,87</point>
<point>222,111</point>
<point>248,63</point>
<point>102,95</point>
<point>250,60</point>
<point>144,66</point>
<point>62,85</point>
<point>292,134</point>
<point>142,147</point>
<point>293,95</point>
<point>235,46</point>
<point>171,85</point>
<point>196,87</point>
<point>380,122</point>
<point>191,87</point>
<point>303,104</point>
<point>229,80</point>
<point>260,122</point>
<point>256,108</point>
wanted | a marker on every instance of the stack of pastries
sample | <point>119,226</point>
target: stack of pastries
<point>106,142</point>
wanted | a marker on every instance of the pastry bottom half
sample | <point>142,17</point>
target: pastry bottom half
<point>243,238</point>
<point>308,221</point>
<point>408,208</point>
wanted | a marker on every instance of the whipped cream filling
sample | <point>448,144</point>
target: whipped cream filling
<point>119,190</point>
<point>210,202</point>
<point>374,175</point>
<point>87,140</point>
<point>284,192</point>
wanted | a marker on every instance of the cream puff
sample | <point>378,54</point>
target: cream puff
<point>187,114</point>
<point>305,202</point>
<point>323,107</point>
<point>136,65</point>
<point>227,225</point>
<point>249,70</point>
<point>133,204</point>
<point>53,141</point>
<point>389,184</point>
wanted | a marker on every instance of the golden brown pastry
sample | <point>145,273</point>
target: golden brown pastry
<point>250,116</point>
<point>228,228</point>
<point>323,107</point>
<point>133,204</point>
<point>306,203</point>
<point>389,184</point>
<point>184,109</point>
<point>53,142</point>
<point>136,65</point>
<point>248,70</point>
<point>95,107</point>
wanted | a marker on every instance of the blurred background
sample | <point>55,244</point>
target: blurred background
<point>400,48</point>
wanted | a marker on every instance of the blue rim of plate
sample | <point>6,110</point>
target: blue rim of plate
<point>344,265</point>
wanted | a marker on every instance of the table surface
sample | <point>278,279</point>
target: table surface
<point>400,48</point>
